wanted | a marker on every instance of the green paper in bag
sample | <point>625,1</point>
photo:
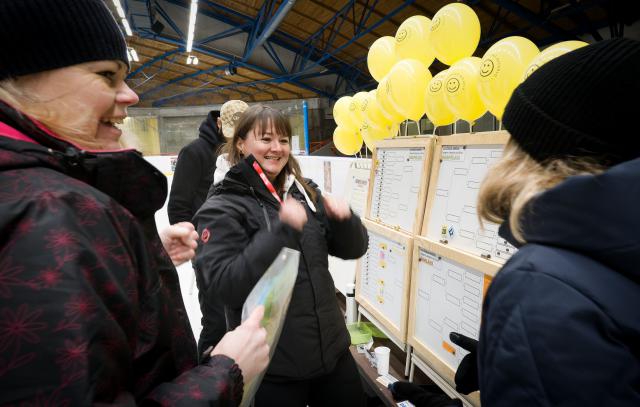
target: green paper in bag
<point>273,291</point>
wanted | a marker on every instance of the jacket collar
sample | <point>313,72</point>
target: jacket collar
<point>123,175</point>
<point>249,176</point>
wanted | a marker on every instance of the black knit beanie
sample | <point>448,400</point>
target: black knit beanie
<point>40,35</point>
<point>583,103</point>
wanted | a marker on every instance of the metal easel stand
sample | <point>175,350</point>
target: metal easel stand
<point>405,347</point>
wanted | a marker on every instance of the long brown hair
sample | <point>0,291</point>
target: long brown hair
<point>517,179</point>
<point>260,118</point>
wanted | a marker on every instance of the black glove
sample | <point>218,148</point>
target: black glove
<point>422,395</point>
<point>467,374</point>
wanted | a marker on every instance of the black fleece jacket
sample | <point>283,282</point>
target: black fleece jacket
<point>194,171</point>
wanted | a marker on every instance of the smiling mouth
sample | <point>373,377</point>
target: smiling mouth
<point>272,158</point>
<point>113,122</point>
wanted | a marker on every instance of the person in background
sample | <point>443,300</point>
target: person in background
<point>560,322</point>
<point>193,174</point>
<point>263,205</point>
<point>214,323</point>
<point>228,123</point>
<point>90,306</point>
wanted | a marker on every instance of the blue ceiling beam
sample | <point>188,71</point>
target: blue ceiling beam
<point>225,57</point>
<point>154,60</point>
<point>274,56</point>
<point>188,94</point>
<point>387,17</point>
<point>279,38</point>
<point>269,27</point>
<point>169,21</point>
<point>535,19</point>
<point>224,34</point>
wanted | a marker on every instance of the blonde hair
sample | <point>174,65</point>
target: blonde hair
<point>41,111</point>
<point>261,117</point>
<point>517,179</point>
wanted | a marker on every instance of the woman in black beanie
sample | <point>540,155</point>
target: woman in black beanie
<point>90,304</point>
<point>561,320</point>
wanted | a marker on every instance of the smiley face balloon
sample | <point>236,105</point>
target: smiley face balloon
<point>501,71</point>
<point>461,89</point>
<point>437,110</point>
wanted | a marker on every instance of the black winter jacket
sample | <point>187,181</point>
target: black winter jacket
<point>246,235</point>
<point>90,304</point>
<point>561,320</point>
<point>194,170</point>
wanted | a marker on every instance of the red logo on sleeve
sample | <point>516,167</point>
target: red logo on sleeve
<point>205,235</point>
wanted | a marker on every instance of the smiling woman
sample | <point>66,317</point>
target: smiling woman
<point>90,305</point>
<point>83,102</point>
<point>261,205</point>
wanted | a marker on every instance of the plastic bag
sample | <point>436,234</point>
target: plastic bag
<point>273,290</point>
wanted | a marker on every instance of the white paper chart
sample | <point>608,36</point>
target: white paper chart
<point>449,299</point>
<point>396,186</point>
<point>453,216</point>
<point>382,277</point>
<point>357,186</point>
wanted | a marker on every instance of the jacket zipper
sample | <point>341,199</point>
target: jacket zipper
<point>264,210</point>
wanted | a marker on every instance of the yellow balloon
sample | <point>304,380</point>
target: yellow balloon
<point>461,89</point>
<point>455,33</point>
<point>372,110</point>
<point>412,38</point>
<point>405,83</point>
<point>436,107</point>
<point>382,96</point>
<point>360,101</point>
<point>552,52</point>
<point>502,68</point>
<point>381,57</point>
<point>373,132</point>
<point>342,113</point>
<point>347,140</point>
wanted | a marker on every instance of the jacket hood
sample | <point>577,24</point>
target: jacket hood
<point>595,215</point>
<point>123,175</point>
<point>209,130</point>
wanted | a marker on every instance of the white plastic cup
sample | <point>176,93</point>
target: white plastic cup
<point>382,359</point>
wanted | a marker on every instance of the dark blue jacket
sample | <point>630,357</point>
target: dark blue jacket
<point>561,320</point>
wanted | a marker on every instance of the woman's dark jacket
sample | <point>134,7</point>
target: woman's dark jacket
<point>241,217</point>
<point>90,304</point>
<point>561,320</point>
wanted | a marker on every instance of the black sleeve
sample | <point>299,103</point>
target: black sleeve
<point>184,186</point>
<point>234,258</point>
<point>347,239</point>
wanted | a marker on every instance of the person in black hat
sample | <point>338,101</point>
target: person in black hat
<point>90,304</point>
<point>560,323</point>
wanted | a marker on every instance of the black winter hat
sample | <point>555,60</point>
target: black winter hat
<point>583,103</point>
<point>40,35</point>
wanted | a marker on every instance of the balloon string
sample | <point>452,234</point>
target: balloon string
<point>455,127</point>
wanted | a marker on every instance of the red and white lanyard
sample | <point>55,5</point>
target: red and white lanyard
<point>266,181</point>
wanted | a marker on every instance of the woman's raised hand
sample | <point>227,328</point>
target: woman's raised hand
<point>337,209</point>
<point>293,214</point>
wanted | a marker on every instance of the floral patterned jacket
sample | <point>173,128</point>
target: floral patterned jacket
<point>90,304</point>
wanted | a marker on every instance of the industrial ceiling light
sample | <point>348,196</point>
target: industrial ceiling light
<point>123,17</point>
<point>132,54</point>
<point>193,11</point>
<point>192,60</point>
